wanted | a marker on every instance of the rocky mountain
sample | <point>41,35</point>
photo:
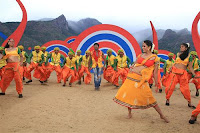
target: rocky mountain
<point>184,31</point>
<point>82,24</point>
<point>40,32</point>
<point>167,39</point>
<point>146,34</point>
<point>47,29</point>
<point>171,40</point>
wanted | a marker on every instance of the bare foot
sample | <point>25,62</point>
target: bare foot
<point>165,119</point>
<point>129,116</point>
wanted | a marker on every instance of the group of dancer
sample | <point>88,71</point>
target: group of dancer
<point>14,60</point>
<point>137,78</point>
<point>135,92</point>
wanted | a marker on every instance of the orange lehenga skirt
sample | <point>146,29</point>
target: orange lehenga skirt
<point>133,95</point>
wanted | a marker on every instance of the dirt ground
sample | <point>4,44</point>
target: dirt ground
<point>79,109</point>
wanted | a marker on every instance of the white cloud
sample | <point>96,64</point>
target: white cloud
<point>174,14</point>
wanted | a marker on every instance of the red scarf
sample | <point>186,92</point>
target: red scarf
<point>95,56</point>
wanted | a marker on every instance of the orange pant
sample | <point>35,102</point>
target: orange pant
<point>66,73</point>
<point>122,72</point>
<point>108,73</point>
<point>39,72</point>
<point>182,79</point>
<point>159,79</point>
<point>12,71</point>
<point>24,70</point>
<point>2,72</point>
<point>164,79</point>
<point>196,81</point>
<point>88,78</point>
<point>58,70</point>
<point>196,111</point>
<point>36,74</point>
<point>48,69</point>
<point>21,70</point>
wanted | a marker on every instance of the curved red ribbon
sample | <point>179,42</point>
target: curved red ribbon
<point>155,38</point>
<point>17,34</point>
<point>195,34</point>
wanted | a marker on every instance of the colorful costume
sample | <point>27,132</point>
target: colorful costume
<point>38,59</point>
<point>179,76</point>
<point>56,65</point>
<point>121,68</point>
<point>23,69</point>
<point>109,70</point>
<point>45,65</point>
<point>196,67</point>
<point>69,69</point>
<point>2,63</point>
<point>135,92</point>
<point>84,68</point>
<point>78,57</point>
<point>11,70</point>
<point>159,76</point>
<point>167,67</point>
<point>97,65</point>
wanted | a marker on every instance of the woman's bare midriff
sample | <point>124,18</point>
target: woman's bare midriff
<point>180,66</point>
<point>137,69</point>
<point>13,59</point>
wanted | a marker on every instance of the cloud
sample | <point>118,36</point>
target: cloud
<point>125,13</point>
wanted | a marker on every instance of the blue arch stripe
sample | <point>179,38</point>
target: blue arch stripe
<point>107,36</point>
<point>3,36</point>
<point>71,40</point>
<point>165,57</point>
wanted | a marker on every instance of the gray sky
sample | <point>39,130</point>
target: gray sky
<point>129,14</point>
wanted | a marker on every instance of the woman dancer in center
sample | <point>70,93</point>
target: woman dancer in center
<point>135,92</point>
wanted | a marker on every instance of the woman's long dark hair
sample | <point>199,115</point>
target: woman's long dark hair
<point>185,53</point>
<point>7,45</point>
<point>148,43</point>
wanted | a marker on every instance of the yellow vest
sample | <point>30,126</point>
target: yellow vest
<point>121,61</point>
<point>99,62</point>
<point>23,55</point>
<point>55,59</point>
<point>195,64</point>
<point>37,56</point>
<point>85,61</point>
<point>70,63</point>
<point>169,65</point>
<point>77,58</point>
<point>45,56</point>
<point>111,60</point>
<point>3,62</point>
